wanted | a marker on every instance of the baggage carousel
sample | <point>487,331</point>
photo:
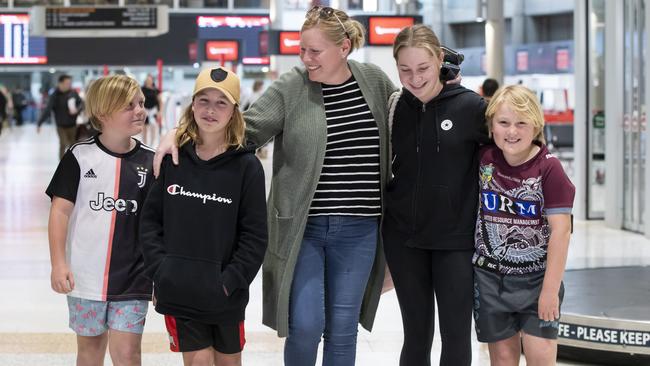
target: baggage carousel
<point>606,316</point>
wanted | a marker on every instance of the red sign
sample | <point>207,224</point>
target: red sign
<point>383,30</point>
<point>222,50</point>
<point>264,43</point>
<point>522,60</point>
<point>192,51</point>
<point>562,59</point>
<point>289,43</point>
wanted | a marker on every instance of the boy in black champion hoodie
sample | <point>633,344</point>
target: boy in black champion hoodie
<point>203,226</point>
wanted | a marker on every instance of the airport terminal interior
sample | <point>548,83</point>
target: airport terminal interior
<point>584,59</point>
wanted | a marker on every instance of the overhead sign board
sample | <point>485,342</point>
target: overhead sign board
<point>562,59</point>
<point>522,61</point>
<point>383,30</point>
<point>222,50</point>
<point>100,21</point>
<point>234,21</point>
<point>289,42</point>
<point>16,44</point>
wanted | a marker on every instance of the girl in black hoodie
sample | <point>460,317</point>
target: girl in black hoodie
<point>203,226</point>
<point>431,201</point>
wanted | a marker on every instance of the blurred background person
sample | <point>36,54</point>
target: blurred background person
<point>5,105</point>
<point>66,105</point>
<point>488,88</point>
<point>153,106</point>
<point>21,101</point>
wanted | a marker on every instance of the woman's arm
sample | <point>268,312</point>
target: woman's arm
<point>265,117</point>
<point>558,248</point>
<point>264,120</point>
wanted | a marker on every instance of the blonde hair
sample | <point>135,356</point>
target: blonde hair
<point>336,25</point>
<point>188,130</point>
<point>523,102</point>
<point>419,36</point>
<point>108,95</point>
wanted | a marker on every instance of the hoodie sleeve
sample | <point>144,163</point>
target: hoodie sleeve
<point>482,134</point>
<point>151,225</point>
<point>252,231</point>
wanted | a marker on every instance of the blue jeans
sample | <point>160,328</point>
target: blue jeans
<point>329,281</point>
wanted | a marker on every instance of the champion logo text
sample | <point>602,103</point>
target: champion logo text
<point>175,189</point>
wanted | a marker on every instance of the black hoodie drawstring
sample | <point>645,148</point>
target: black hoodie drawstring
<point>437,131</point>
<point>435,121</point>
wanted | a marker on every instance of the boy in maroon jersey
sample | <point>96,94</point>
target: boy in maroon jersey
<point>522,234</point>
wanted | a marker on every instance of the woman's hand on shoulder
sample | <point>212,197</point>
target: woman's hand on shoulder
<point>167,146</point>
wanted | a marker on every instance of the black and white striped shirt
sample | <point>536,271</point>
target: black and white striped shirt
<point>349,182</point>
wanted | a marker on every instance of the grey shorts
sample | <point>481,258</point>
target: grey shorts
<point>504,305</point>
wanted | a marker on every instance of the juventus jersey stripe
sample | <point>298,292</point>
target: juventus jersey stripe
<point>108,191</point>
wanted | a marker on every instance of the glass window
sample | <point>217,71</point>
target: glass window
<point>204,3</point>
<point>169,3</point>
<point>299,4</point>
<point>263,4</point>
<point>28,3</point>
<point>94,2</point>
<point>355,4</point>
<point>634,112</point>
<point>596,125</point>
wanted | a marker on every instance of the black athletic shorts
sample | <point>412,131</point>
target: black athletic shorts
<point>507,304</point>
<point>186,335</point>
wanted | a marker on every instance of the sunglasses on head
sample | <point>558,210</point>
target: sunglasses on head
<point>325,12</point>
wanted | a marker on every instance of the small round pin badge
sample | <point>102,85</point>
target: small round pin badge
<point>446,125</point>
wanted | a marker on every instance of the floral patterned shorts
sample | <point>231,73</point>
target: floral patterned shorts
<point>91,318</point>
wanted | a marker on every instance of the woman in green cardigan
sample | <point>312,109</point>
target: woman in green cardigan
<point>324,266</point>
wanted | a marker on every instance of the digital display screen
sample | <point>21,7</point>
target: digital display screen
<point>16,46</point>
<point>522,60</point>
<point>101,18</point>
<point>289,43</point>
<point>383,30</point>
<point>222,50</point>
<point>248,34</point>
<point>562,59</point>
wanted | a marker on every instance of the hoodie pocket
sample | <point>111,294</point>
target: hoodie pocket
<point>191,283</point>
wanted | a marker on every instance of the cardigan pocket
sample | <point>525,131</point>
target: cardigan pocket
<point>279,228</point>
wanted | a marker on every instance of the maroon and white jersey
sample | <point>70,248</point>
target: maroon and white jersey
<point>511,227</point>
<point>102,247</point>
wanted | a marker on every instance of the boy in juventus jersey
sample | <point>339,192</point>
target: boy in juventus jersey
<point>97,193</point>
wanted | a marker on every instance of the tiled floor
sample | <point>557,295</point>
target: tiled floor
<point>34,327</point>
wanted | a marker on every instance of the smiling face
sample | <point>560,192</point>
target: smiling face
<point>324,60</point>
<point>128,121</point>
<point>419,72</point>
<point>212,112</point>
<point>513,134</point>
